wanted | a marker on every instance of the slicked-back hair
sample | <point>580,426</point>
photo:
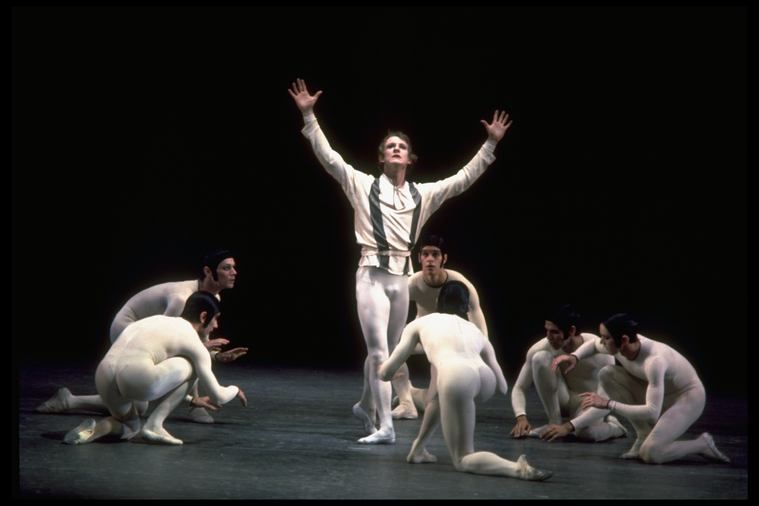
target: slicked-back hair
<point>196,304</point>
<point>453,299</point>
<point>622,324</point>
<point>565,316</point>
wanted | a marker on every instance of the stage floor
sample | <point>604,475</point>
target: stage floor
<point>297,440</point>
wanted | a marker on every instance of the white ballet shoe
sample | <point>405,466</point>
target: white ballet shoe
<point>403,413</point>
<point>536,431</point>
<point>425,458</point>
<point>611,419</point>
<point>361,414</point>
<point>159,438</point>
<point>57,403</point>
<point>200,415</point>
<point>383,436</point>
<point>634,452</point>
<point>529,473</point>
<point>81,434</point>
<point>718,455</point>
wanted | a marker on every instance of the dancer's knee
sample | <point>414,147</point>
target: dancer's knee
<point>541,360</point>
<point>606,375</point>
<point>650,453</point>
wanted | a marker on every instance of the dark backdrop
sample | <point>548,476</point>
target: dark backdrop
<point>143,137</point>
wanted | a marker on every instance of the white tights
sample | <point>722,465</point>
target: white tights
<point>461,385</point>
<point>128,387</point>
<point>556,396</point>
<point>679,412</point>
<point>383,301</point>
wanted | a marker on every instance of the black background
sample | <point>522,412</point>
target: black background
<point>144,137</point>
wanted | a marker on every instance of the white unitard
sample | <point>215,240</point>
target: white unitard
<point>425,297</point>
<point>659,388</point>
<point>387,224</point>
<point>165,299</point>
<point>468,374</point>
<point>559,392</point>
<point>156,358</point>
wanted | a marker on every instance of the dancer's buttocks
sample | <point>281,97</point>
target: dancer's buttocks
<point>461,377</point>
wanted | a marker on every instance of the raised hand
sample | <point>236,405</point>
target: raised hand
<point>497,129</point>
<point>304,101</point>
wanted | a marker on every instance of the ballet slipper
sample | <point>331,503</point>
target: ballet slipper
<point>361,414</point>
<point>82,434</point>
<point>611,419</point>
<point>536,431</point>
<point>402,412</point>
<point>529,473</point>
<point>717,456</point>
<point>57,403</point>
<point>161,437</point>
<point>424,458</point>
<point>200,415</point>
<point>382,436</point>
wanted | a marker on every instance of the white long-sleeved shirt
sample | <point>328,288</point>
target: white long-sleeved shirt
<point>389,219</point>
<point>666,371</point>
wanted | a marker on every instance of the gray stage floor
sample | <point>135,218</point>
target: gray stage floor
<point>297,440</point>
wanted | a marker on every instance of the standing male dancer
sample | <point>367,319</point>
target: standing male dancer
<point>218,273</point>
<point>424,288</point>
<point>389,215</point>
<point>655,387</point>
<point>559,390</point>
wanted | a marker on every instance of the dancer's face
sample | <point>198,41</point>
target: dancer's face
<point>227,273</point>
<point>555,335</point>
<point>432,260</point>
<point>395,153</point>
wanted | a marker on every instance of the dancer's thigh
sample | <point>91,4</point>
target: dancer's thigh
<point>373,308</point>
<point>142,380</point>
<point>458,385</point>
<point>683,411</point>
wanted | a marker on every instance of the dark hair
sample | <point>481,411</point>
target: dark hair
<point>396,133</point>
<point>212,261</point>
<point>453,299</point>
<point>564,316</point>
<point>622,324</point>
<point>433,240</point>
<point>197,303</point>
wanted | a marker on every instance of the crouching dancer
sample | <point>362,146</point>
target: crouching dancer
<point>655,387</point>
<point>159,358</point>
<point>465,373</point>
